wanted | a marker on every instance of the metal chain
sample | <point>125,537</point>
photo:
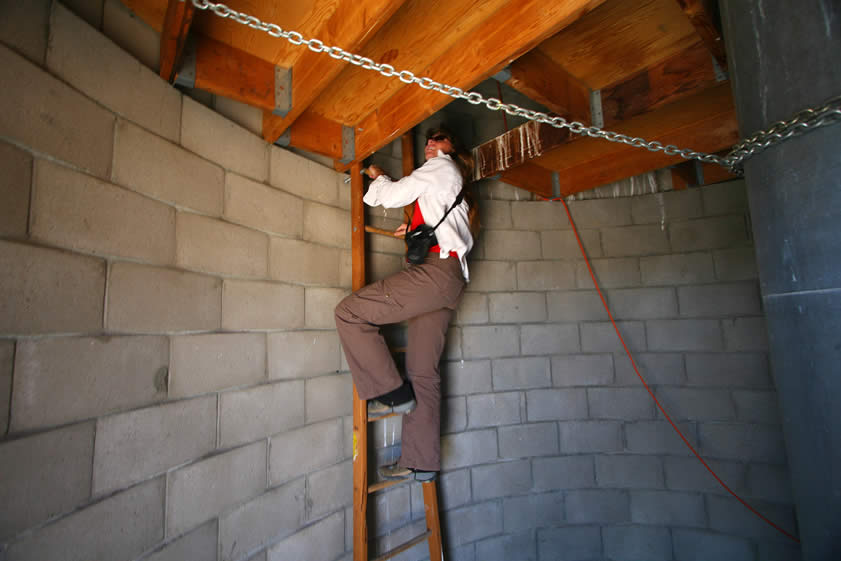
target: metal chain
<point>827,114</point>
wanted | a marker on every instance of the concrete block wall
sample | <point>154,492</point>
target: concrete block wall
<point>553,449</point>
<point>167,352</point>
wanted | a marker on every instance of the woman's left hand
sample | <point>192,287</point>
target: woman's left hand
<point>373,171</point>
<point>401,230</point>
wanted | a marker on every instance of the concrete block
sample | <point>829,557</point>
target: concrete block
<point>7,360</point>
<point>292,453</point>
<point>198,544</point>
<point>696,404</point>
<point>468,449</point>
<point>491,410</point>
<point>576,542</point>
<point>550,339</point>
<point>15,186</point>
<point>44,475</point>
<point>521,514</point>
<point>708,233</point>
<point>597,213</point>
<point>601,336</point>
<point>132,34</point>
<point>24,27</point>
<point>261,207</point>
<point>79,212</point>
<point>565,472</point>
<point>727,518</point>
<point>205,489</point>
<point>468,524</point>
<point>150,299</point>
<point>323,541</point>
<point>770,483</point>
<point>118,81</point>
<point>303,262</point>
<point>634,240</point>
<point>575,305</point>
<point>214,361</point>
<point>620,403</point>
<point>248,415</point>
<point>326,225</point>
<point>345,269</point>
<point>520,546</point>
<point>561,244</point>
<point>309,180</point>
<point>48,291</point>
<point>510,245</point>
<point>668,508</point>
<point>735,264</point>
<point>89,10</point>
<point>261,305</point>
<point>300,354</point>
<point>554,405</point>
<point>453,490</point>
<point>495,215</point>
<point>698,545</point>
<point>668,270</point>
<point>660,208</point>
<point>629,543</point>
<point>688,474</point>
<point>745,334</point>
<point>248,117</point>
<point>330,489</point>
<point>719,300</point>
<point>380,265</point>
<point>777,551</point>
<point>328,397</point>
<point>527,440</point>
<point>133,446</point>
<point>757,406</point>
<point>84,377</point>
<point>742,442</point>
<point>517,307</point>
<point>206,244</point>
<point>499,190</point>
<point>53,118</point>
<point>545,275</point>
<point>684,335</point>
<point>242,152</point>
<point>520,373</point>
<point>730,197</point>
<point>610,273</point>
<point>321,305</point>
<point>658,437</point>
<point>454,415</point>
<point>582,370</point>
<point>643,303</point>
<point>466,377</point>
<point>162,170</point>
<point>584,437</point>
<point>538,216</point>
<point>121,527</point>
<point>600,506</point>
<point>473,309</point>
<point>389,510</point>
<point>396,537</point>
<point>633,472</point>
<point>490,341</point>
<point>656,368</point>
<point>492,276</point>
<point>501,480</point>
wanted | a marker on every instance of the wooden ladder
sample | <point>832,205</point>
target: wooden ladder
<point>361,488</point>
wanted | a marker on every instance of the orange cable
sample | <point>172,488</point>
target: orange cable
<point>659,406</point>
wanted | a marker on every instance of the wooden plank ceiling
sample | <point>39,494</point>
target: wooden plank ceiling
<point>652,63</point>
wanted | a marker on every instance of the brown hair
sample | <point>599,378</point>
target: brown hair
<point>464,160</point>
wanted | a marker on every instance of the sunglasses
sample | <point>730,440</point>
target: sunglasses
<point>439,137</point>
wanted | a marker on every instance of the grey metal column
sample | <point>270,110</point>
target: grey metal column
<point>783,56</point>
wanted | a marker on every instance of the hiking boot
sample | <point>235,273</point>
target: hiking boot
<point>377,408</point>
<point>395,472</point>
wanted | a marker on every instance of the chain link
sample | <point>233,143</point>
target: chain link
<point>827,114</point>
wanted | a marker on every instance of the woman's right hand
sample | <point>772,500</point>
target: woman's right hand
<point>373,171</point>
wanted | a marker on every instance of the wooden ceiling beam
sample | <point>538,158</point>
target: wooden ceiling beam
<point>541,79</point>
<point>701,14</point>
<point>532,178</point>
<point>481,53</point>
<point>176,26</point>
<point>352,24</point>
<point>516,147</point>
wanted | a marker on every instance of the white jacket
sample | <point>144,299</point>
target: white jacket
<point>435,185</point>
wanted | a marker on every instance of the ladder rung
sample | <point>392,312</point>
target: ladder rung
<point>381,417</point>
<point>401,548</point>
<point>379,486</point>
<point>382,232</point>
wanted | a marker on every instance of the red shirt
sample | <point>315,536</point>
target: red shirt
<point>417,220</point>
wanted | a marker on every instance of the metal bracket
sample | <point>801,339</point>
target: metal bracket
<point>720,73</point>
<point>556,185</point>
<point>596,114</point>
<point>186,76</point>
<point>282,91</point>
<point>503,75</point>
<point>348,144</point>
<point>283,141</point>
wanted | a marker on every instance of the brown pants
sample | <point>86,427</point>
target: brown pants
<point>426,295</point>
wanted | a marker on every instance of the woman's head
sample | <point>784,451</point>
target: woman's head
<point>439,139</point>
<point>442,138</point>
